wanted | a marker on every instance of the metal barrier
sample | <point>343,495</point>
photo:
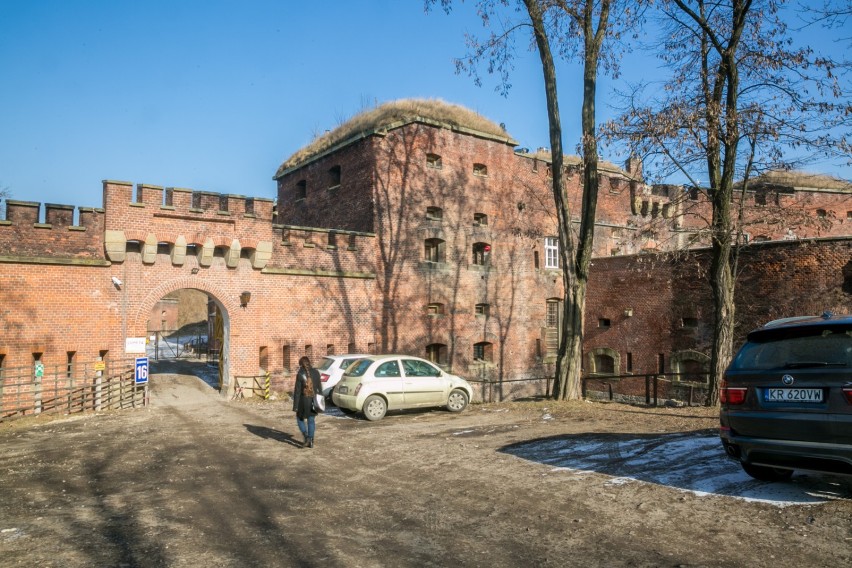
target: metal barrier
<point>259,383</point>
<point>650,388</point>
<point>66,389</point>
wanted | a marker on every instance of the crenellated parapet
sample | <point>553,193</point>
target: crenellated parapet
<point>175,225</point>
<point>185,223</point>
<point>25,234</point>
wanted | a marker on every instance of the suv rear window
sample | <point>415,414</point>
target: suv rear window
<point>325,364</point>
<point>796,348</point>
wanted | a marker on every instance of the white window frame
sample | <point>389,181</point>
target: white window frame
<point>551,252</point>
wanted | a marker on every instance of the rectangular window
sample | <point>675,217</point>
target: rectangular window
<point>551,252</point>
<point>308,350</point>
<point>535,259</point>
<point>538,347</point>
<point>70,356</point>
<point>285,357</point>
<point>604,322</point>
<point>350,348</point>
<point>2,364</point>
<point>329,349</point>
<point>371,348</point>
<point>552,317</point>
<point>629,362</point>
<point>263,358</point>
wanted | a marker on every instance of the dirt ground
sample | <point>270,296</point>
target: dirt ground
<point>195,480</point>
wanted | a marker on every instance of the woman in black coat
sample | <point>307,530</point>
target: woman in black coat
<point>303,400</point>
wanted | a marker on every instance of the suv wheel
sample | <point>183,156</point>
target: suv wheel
<point>764,473</point>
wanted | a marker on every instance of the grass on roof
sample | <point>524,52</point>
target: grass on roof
<point>392,112</point>
<point>803,179</point>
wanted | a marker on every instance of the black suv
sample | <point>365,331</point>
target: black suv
<point>787,398</point>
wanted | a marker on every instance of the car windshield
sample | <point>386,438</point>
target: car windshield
<point>358,368</point>
<point>325,364</point>
<point>801,349</point>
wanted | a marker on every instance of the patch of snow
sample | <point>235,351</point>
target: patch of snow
<point>688,462</point>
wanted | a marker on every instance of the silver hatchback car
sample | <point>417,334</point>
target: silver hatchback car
<point>379,383</point>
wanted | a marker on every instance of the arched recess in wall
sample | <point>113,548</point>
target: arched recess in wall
<point>138,327</point>
<point>691,365</point>
<point>604,361</point>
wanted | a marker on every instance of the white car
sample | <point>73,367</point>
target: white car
<point>331,369</point>
<point>378,383</point>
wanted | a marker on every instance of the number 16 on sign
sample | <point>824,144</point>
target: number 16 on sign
<point>141,370</point>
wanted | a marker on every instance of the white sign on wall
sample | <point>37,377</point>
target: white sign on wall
<point>134,345</point>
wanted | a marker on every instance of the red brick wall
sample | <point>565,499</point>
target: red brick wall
<point>776,280</point>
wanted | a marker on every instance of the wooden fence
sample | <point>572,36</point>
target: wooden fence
<point>66,389</point>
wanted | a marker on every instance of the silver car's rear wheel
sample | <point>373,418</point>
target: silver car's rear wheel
<point>374,408</point>
<point>457,401</point>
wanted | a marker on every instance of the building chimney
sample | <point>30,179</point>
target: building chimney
<point>633,165</point>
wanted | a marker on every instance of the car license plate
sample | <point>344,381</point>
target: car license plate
<point>793,395</point>
<point>343,390</point>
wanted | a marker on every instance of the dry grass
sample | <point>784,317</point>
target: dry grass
<point>573,160</point>
<point>403,110</point>
<point>802,179</point>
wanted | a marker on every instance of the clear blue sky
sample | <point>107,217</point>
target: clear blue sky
<point>213,95</point>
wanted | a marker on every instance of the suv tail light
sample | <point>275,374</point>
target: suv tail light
<point>847,392</point>
<point>324,378</point>
<point>732,395</point>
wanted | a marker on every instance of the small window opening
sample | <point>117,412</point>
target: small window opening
<point>263,358</point>
<point>629,362</point>
<point>689,322</point>
<point>604,322</point>
<point>482,309</point>
<point>434,250</point>
<point>434,213</point>
<point>535,259</point>
<point>302,189</point>
<point>329,349</point>
<point>480,170</point>
<point>223,203</point>
<point>481,253</point>
<point>285,357</point>
<point>334,177</point>
<point>433,161</point>
<point>308,350</point>
<point>482,351</point>
<point>435,309</point>
<point>437,353</point>
<point>70,359</point>
<point>332,239</point>
<point>480,219</point>
<point>821,213</point>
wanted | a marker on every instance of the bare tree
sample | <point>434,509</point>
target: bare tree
<point>576,30</point>
<point>741,99</point>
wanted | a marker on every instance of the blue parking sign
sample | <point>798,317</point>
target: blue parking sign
<point>141,370</point>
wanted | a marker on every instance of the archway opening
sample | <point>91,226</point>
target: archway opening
<point>188,331</point>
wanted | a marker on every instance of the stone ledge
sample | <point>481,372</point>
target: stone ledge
<point>50,260</point>
<point>320,273</point>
